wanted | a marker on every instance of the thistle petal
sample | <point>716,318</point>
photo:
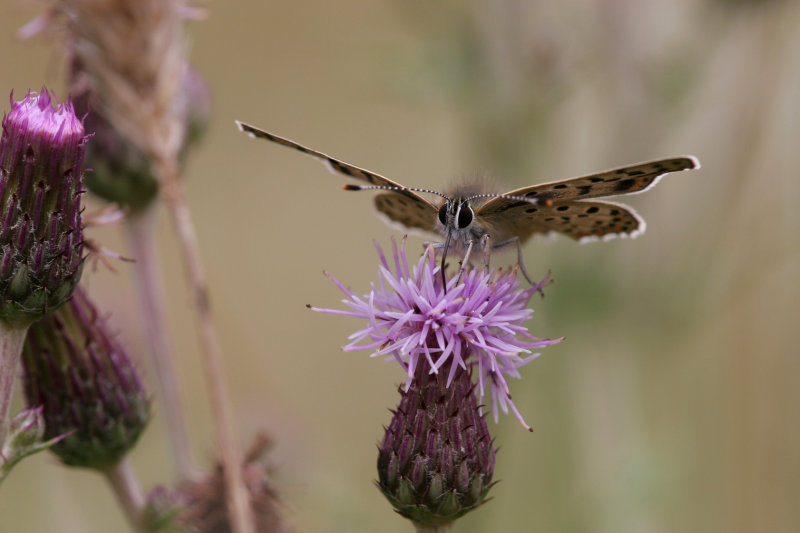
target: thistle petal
<point>477,323</point>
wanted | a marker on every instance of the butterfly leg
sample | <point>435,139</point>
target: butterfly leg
<point>464,262</point>
<point>487,252</point>
<point>521,263</point>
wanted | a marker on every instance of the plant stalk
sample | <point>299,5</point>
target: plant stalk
<point>444,528</point>
<point>128,492</point>
<point>12,338</point>
<point>238,498</point>
<point>141,234</point>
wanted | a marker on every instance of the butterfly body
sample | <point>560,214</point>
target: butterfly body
<point>470,222</point>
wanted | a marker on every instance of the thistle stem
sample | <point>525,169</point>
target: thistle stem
<point>444,528</point>
<point>128,492</point>
<point>239,509</point>
<point>140,228</point>
<point>12,338</point>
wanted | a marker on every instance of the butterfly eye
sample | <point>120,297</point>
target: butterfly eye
<point>464,216</point>
<point>443,214</point>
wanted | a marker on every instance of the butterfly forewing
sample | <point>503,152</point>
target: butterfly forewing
<point>623,180</point>
<point>562,205</point>
<point>337,165</point>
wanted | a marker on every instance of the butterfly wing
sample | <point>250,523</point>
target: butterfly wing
<point>388,203</point>
<point>562,205</point>
<point>410,212</point>
<point>581,220</point>
<point>623,180</point>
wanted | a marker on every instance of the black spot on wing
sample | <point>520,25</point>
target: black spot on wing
<point>625,185</point>
<point>339,167</point>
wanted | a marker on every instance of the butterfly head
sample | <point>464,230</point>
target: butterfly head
<point>456,214</point>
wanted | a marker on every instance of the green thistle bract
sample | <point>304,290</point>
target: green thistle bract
<point>41,181</point>
<point>86,384</point>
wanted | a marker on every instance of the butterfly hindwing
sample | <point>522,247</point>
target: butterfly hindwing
<point>579,219</point>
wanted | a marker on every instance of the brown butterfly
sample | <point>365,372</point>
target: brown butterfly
<point>474,221</point>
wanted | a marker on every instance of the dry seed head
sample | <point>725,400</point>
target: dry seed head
<point>131,55</point>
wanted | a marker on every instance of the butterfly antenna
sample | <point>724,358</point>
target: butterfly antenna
<point>351,187</point>
<point>510,197</point>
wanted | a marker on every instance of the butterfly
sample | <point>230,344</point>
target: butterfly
<point>474,221</point>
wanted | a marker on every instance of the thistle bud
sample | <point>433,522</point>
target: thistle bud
<point>26,430</point>
<point>25,437</point>
<point>197,100</point>
<point>121,172</point>
<point>199,505</point>
<point>86,384</point>
<point>437,458</point>
<point>41,181</point>
<point>162,510</point>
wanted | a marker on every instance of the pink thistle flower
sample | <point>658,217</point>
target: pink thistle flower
<point>476,323</point>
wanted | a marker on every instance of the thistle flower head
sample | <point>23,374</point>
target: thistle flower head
<point>436,460</point>
<point>476,323</point>
<point>41,177</point>
<point>86,384</point>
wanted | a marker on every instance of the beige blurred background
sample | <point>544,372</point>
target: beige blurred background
<point>671,406</point>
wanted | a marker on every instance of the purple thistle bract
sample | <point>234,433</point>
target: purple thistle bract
<point>476,323</point>
<point>87,384</point>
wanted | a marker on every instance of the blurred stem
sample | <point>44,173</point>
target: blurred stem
<point>239,509</point>
<point>128,492</point>
<point>11,340</point>
<point>141,235</point>
<point>445,528</point>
